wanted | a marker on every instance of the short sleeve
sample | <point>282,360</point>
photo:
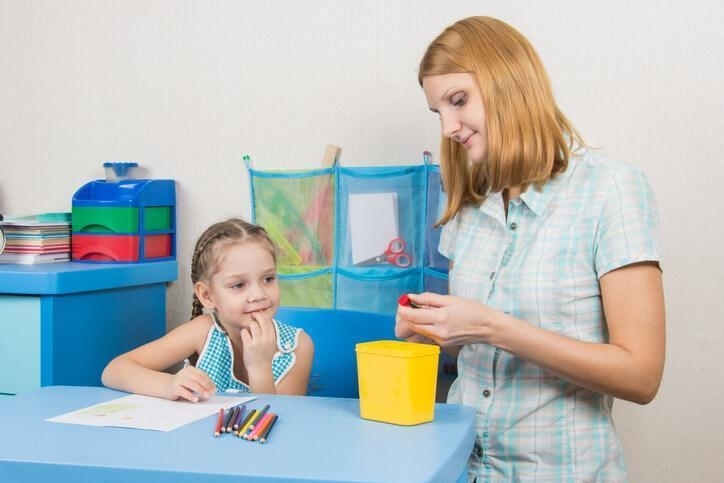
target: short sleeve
<point>629,228</point>
<point>447,238</point>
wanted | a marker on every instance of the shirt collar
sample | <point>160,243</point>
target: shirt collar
<point>537,201</point>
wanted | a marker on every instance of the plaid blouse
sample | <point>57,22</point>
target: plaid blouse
<point>217,356</point>
<point>542,264</point>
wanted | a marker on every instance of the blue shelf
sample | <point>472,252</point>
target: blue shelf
<point>74,277</point>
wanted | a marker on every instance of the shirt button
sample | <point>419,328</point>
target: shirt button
<point>513,226</point>
<point>486,392</point>
<point>492,274</point>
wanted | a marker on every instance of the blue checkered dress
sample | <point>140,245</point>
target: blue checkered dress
<point>542,264</point>
<point>217,356</point>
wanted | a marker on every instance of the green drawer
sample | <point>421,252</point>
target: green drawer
<point>157,218</point>
<point>111,219</point>
<point>116,219</point>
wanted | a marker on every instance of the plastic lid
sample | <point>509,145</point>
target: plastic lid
<point>120,168</point>
<point>397,348</point>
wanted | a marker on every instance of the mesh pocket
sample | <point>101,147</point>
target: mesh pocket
<point>306,287</point>
<point>374,289</point>
<point>297,209</point>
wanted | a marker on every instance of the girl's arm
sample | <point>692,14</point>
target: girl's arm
<point>297,380</point>
<point>259,342</point>
<point>629,366</point>
<point>140,370</point>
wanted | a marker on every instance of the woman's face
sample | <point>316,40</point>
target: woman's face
<point>456,99</point>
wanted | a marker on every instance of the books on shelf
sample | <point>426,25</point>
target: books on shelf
<point>31,239</point>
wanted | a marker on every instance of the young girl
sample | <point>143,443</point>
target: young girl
<point>236,343</point>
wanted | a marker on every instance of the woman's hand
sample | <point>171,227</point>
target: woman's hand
<point>447,320</point>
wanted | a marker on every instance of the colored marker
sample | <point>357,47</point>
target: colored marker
<point>405,300</point>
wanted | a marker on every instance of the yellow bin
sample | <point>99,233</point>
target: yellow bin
<point>397,381</point>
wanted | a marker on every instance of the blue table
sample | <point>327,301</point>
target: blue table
<point>315,439</point>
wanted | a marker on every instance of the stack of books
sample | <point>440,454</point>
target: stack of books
<point>33,239</point>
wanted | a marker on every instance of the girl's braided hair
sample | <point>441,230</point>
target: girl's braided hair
<point>212,245</point>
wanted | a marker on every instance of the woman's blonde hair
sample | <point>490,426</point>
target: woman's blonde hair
<point>529,138</point>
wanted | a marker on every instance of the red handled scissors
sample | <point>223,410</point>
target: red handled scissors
<point>394,254</point>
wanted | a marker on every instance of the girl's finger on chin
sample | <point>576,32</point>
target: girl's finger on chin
<point>245,336</point>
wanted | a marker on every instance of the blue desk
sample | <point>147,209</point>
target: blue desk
<point>315,440</point>
<point>62,322</point>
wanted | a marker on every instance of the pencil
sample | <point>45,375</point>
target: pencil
<point>255,422</point>
<point>230,420</point>
<point>247,421</point>
<point>257,418</point>
<point>265,435</point>
<point>243,422</point>
<point>259,429</point>
<point>254,433</point>
<point>239,415</point>
<point>219,422</point>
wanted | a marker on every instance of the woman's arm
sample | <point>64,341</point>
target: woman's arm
<point>140,370</point>
<point>629,366</point>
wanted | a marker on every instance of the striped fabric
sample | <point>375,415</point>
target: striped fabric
<point>542,265</point>
<point>217,357</point>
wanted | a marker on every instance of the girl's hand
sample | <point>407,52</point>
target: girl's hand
<point>260,342</point>
<point>191,384</point>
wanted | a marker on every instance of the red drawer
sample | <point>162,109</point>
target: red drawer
<point>119,248</point>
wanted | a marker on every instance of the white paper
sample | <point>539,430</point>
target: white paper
<point>146,412</point>
<point>372,223</point>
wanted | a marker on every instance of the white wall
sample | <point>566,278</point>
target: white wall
<point>186,87</point>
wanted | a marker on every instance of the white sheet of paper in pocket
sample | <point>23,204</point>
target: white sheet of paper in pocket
<point>372,223</point>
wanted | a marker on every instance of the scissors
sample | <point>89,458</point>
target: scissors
<point>394,254</point>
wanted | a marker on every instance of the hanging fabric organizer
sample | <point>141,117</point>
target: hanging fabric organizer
<point>352,238</point>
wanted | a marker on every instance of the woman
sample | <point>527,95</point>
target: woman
<point>556,302</point>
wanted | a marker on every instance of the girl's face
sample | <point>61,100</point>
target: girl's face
<point>246,282</point>
<point>457,100</point>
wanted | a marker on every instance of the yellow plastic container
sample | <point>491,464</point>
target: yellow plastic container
<point>397,381</point>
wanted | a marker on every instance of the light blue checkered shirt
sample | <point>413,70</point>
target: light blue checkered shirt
<point>217,356</point>
<point>542,265</point>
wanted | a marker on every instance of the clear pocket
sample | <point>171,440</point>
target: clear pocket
<point>306,287</point>
<point>435,281</point>
<point>436,201</point>
<point>377,206</point>
<point>297,209</point>
<point>374,289</point>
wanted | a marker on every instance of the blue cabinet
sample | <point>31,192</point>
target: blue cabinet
<point>60,323</point>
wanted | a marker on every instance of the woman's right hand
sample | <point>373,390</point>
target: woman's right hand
<point>447,320</point>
